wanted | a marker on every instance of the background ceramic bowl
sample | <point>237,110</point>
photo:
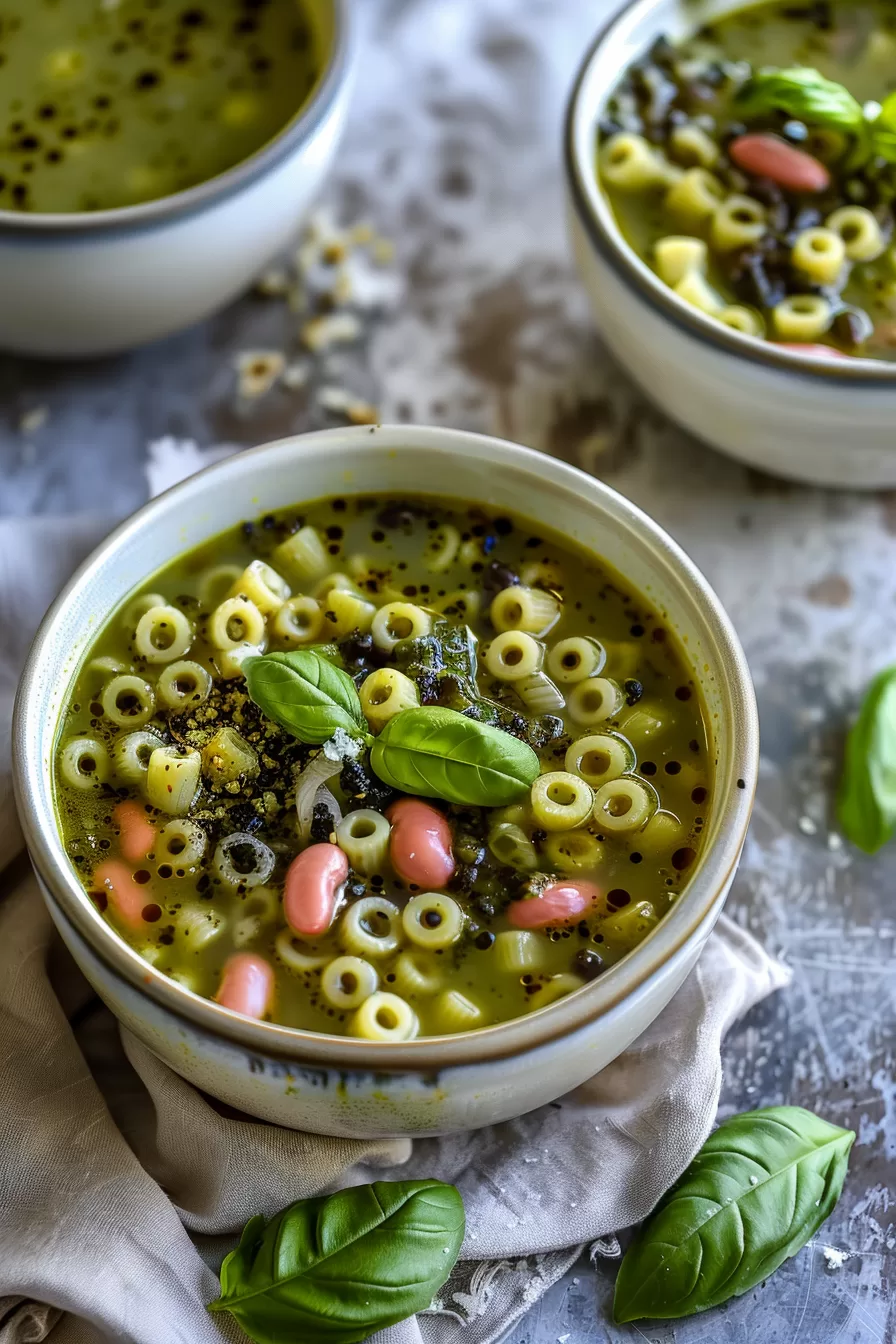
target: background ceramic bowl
<point>829,422</point>
<point>90,284</point>
<point>345,1086</point>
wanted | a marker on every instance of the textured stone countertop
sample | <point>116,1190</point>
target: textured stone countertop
<point>453,153</point>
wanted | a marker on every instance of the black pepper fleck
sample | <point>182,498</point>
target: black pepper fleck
<point>634,691</point>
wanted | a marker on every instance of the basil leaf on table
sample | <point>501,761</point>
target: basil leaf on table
<point>759,1188</point>
<point>866,806</point>
<point>439,753</point>
<point>307,695</point>
<point>803,93</point>
<point>336,1269</point>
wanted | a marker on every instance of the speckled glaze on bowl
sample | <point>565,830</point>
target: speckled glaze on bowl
<point>332,1084</point>
<point>98,282</point>
<point>827,422</point>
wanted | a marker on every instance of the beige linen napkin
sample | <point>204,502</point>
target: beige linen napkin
<point>120,1184</point>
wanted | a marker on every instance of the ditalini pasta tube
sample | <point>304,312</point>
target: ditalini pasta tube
<point>172,779</point>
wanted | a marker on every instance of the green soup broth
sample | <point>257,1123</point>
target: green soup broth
<point>751,282</point>
<point>110,105</point>
<point>449,561</point>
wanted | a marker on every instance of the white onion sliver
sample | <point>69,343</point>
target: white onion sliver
<point>326,797</point>
<point>229,873</point>
<point>310,781</point>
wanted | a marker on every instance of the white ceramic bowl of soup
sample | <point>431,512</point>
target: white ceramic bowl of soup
<point>98,282</point>
<point>825,421</point>
<point>341,1085</point>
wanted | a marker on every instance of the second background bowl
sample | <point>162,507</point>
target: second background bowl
<point>824,422</point>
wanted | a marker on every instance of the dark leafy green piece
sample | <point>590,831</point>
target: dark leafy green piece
<point>447,649</point>
<point>446,661</point>
<point>306,694</point>
<point>867,801</point>
<point>803,93</point>
<point>331,652</point>
<point>759,1188</point>
<point>439,753</point>
<point>538,730</point>
<point>336,1269</point>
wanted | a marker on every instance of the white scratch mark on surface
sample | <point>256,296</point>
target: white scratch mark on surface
<point>831,1058</point>
<point>864,1315</point>
<point>799,1324</point>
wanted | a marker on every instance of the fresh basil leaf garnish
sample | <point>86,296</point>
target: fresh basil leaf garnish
<point>336,1269</point>
<point>887,115</point>
<point>803,93</point>
<point>866,806</point>
<point>438,753</point>
<point>759,1188</point>
<point>305,694</point>
<point>883,130</point>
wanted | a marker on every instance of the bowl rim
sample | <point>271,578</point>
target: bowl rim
<point>595,215</point>
<point>697,907</point>
<point>152,214</point>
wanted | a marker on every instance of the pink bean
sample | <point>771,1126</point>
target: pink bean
<point>764,155</point>
<point>113,884</point>
<point>247,985</point>
<point>816,351</point>
<point>420,844</point>
<point>137,835</point>
<point>312,881</point>
<point>559,903</point>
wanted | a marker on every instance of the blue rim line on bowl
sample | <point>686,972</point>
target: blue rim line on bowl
<point>427,1055</point>
<point>86,225</point>
<point>593,212</point>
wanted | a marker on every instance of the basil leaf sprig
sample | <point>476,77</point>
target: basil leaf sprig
<point>429,751</point>
<point>306,694</point>
<point>336,1269</point>
<point>440,753</point>
<point>803,93</point>
<point>759,1188</point>
<point>866,805</point>
<point>800,92</point>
